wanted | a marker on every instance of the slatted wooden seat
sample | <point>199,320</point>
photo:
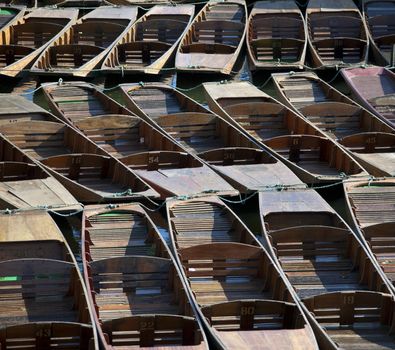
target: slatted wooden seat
<point>34,34</point>
<point>134,285</point>
<point>225,11</point>
<point>72,55</point>
<point>221,272</point>
<point>196,131</point>
<point>285,50</point>
<point>264,314</point>
<point>320,259</point>
<point>266,27</point>
<point>141,53</point>
<point>382,25</point>
<point>380,238</point>
<point>219,34</point>
<point>341,49</point>
<point>372,204</point>
<point>324,26</point>
<point>120,232</point>
<point>123,135</point>
<point>38,290</point>
<point>96,33</point>
<point>166,30</point>
<point>205,221</point>
<point>153,331</point>
<point>18,171</point>
<point>355,320</point>
<point>12,53</point>
<point>336,119</point>
<point>46,336</point>
<point>96,172</point>
<point>314,154</point>
<point>372,142</point>
<point>262,120</point>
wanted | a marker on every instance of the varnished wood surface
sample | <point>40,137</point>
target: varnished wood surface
<point>133,280</point>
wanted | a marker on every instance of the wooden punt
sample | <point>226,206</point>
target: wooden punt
<point>374,88</point>
<point>23,41</point>
<point>337,33</point>
<point>242,297</point>
<point>84,45</point>
<point>379,19</point>
<point>10,14</point>
<point>370,139</point>
<point>371,208</point>
<point>276,36</point>
<point>151,154</point>
<point>43,301</point>
<point>342,288</point>
<point>88,173</point>
<point>243,163</point>
<point>135,287</point>
<point>150,44</point>
<point>213,42</point>
<point>311,156</point>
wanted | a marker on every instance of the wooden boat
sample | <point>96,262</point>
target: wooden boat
<point>88,172</point>
<point>150,44</point>
<point>371,208</point>
<point>213,42</point>
<point>155,157</point>
<point>337,34</point>
<point>370,139</point>
<point>246,165</point>
<point>10,14</point>
<point>23,41</point>
<point>379,19</point>
<point>311,156</point>
<point>373,88</point>
<point>43,300</point>
<point>136,289</point>
<point>343,290</point>
<point>85,44</point>
<point>228,274</point>
<point>276,36</point>
<point>88,4</point>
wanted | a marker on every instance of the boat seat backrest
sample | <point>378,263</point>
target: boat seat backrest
<point>349,50</point>
<point>311,242</point>
<point>141,53</point>
<point>380,238</point>
<point>370,142</point>
<point>98,33</point>
<point>163,30</point>
<point>275,49</point>
<point>34,34</point>
<point>226,260</point>
<point>252,315</point>
<point>15,171</point>
<point>277,27</point>
<point>332,26</point>
<point>348,308</point>
<point>12,53</point>
<point>381,26</point>
<point>152,331</point>
<point>218,32</point>
<point>132,274</point>
<point>74,55</point>
<point>46,336</point>
<point>189,125</point>
<point>79,166</point>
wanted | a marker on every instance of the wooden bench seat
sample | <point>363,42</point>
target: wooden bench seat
<point>96,33</point>
<point>153,331</point>
<point>164,30</point>
<point>35,33</point>
<point>132,285</point>
<point>13,53</point>
<point>341,49</point>
<point>324,26</point>
<point>72,55</point>
<point>36,290</point>
<point>267,27</point>
<point>320,259</point>
<point>355,319</point>
<point>220,272</point>
<point>382,25</point>
<point>141,53</point>
<point>278,49</point>
<point>46,336</point>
